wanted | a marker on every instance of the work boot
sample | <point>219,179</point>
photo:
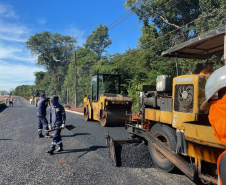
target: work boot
<point>50,152</point>
<point>60,149</point>
<point>48,136</point>
<point>40,135</point>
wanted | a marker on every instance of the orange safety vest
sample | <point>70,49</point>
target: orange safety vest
<point>217,118</point>
<point>218,161</point>
<point>204,72</point>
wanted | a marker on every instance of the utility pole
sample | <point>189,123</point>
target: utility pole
<point>67,95</point>
<point>76,83</point>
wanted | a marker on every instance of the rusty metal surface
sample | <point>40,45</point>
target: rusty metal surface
<point>204,152</point>
<point>208,178</point>
<point>215,145</point>
<point>202,134</point>
<point>177,160</point>
<point>115,97</point>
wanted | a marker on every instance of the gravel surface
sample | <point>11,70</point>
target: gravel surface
<point>85,160</point>
<point>134,155</point>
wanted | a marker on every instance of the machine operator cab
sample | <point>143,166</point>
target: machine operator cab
<point>105,84</point>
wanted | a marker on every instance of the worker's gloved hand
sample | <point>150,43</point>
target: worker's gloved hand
<point>62,126</point>
<point>50,127</point>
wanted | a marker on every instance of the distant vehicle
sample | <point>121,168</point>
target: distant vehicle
<point>35,97</point>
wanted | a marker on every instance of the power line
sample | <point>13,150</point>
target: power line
<point>122,18</point>
<point>184,25</point>
<point>137,25</point>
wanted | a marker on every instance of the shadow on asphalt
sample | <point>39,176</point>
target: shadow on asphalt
<point>2,109</point>
<point>5,139</point>
<point>86,150</point>
<point>73,135</point>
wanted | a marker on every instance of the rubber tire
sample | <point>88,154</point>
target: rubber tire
<point>169,134</point>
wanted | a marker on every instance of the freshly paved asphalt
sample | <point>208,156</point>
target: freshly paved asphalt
<point>85,160</point>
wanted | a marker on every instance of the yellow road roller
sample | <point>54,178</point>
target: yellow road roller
<point>106,104</point>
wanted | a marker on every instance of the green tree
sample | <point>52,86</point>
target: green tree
<point>54,52</point>
<point>167,15</point>
<point>99,40</point>
<point>40,82</point>
<point>85,60</point>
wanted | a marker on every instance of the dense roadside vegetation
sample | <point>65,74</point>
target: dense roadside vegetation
<point>137,67</point>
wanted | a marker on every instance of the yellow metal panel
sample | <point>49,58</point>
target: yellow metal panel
<point>206,153</point>
<point>179,117</point>
<point>96,110</point>
<point>198,82</point>
<point>150,114</point>
<point>159,116</point>
<point>166,117</point>
<point>202,134</point>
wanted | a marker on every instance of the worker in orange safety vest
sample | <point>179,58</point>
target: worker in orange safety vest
<point>215,91</point>
<point>208,68</point>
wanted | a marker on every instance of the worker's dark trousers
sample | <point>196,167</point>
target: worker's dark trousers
<point>42,122</point>
<point>56,139</point>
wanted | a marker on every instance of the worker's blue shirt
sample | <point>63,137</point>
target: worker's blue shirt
<point>57,115</point>
<point>42,105</point>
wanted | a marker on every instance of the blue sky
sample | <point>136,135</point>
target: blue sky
<point>19,19</point>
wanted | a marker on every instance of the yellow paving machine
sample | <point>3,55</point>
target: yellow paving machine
<point>35,97</point>
<point>178,134</point>
<point>106,104</point>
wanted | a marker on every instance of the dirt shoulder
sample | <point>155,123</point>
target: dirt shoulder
<point>75,109</point>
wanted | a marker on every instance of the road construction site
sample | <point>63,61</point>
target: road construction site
<point>85,160</point>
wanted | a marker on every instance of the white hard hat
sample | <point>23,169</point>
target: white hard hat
<point>215,82</point>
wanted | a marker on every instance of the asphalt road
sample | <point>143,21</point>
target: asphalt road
<point>23,157</point>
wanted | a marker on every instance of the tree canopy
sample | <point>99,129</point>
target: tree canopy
<point>98,40</point>
<point>166,23</point>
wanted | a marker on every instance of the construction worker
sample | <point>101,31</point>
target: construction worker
<point>10,101</point>
<point>111,87</point>
<point>6,102</point>
<point>57,118</point>
<point>41,114</point>
<point>199,68</point>
<point>208,68</point>
<point>215,91</point>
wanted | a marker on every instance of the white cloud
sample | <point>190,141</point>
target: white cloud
<point>13,75</point>
<point>17,52</point>
<point>13,32</point>
<point>77,33</point>
<point>7,11</point>
<point>42,21</point>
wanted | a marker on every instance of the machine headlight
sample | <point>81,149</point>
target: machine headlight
<point>113,102</point>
